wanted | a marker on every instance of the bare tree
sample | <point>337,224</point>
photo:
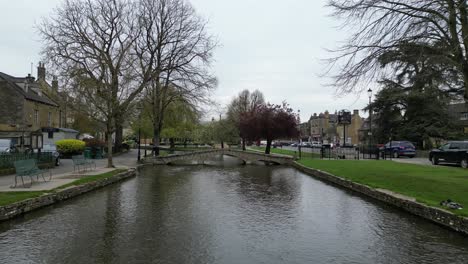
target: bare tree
<point>176,38</point>
<point>91,44</point>
<point>244,104</point>
<point>438,29</point>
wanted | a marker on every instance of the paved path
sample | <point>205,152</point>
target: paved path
<point>64,174</point>
<point>418,161</point>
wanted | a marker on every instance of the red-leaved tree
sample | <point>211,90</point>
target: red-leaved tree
<point>269,122</point>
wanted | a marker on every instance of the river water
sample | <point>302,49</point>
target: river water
<point>226,214</point>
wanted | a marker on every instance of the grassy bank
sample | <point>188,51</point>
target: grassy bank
<point>92,178</point>
<point>286,152</point>
<point>429,185</point>
<point>7,198</point>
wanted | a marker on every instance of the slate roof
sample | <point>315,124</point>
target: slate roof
<point>30,94</point>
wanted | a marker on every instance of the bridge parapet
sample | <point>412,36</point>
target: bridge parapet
<point>201,156</point>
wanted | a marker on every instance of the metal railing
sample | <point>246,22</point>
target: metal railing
<point>7,159</point>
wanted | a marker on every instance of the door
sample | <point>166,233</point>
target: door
<point>444,152</point>
<point>452,153</point>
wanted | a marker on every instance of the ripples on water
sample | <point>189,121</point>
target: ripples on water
<point>230,214</point>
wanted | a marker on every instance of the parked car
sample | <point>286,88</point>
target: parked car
<point>306,145</point>
<point>399,149</point>
<point>294,145</point>
<point>52,148</point>
<point>316,144</point>
<point>6,146</point>
<point>455,152</point>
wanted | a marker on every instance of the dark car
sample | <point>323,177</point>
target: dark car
<point>455,152</point>
<point>399,149</point>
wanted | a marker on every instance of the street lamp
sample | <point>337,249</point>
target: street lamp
<point>300,136</point>
<point>369,93</point>
<point>139,108</point>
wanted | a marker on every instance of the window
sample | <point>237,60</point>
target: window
<point>464,116</point>
<point>455,146</point>
<point>36,117</point>
<point>49,119</point>
<point>445,147</point>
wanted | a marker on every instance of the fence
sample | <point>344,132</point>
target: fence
<point>7,159</point>
<point>354,153</point>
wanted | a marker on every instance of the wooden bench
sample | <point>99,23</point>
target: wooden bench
<point>28,168</point>
<point>80,160</point>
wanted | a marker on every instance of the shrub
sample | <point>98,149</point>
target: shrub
<point>69,147</point>
<point>95,143</point>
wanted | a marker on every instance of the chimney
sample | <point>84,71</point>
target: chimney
<point>55,85</point>
<point>356,112</point>
<point>29,78</point>
<point>41,72</point>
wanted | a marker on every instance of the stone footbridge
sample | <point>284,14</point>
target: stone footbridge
<point>200,156</point>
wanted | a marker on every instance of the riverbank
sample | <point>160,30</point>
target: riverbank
<point>414,188</point>
<point>13,204</point>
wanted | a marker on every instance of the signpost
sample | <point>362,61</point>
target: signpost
<point>344,118</point>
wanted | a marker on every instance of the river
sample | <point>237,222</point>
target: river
<point>226,214</point>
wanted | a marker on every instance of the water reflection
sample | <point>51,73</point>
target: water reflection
<point>225,214</point>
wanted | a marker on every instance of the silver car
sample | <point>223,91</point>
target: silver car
<point>6,146</point>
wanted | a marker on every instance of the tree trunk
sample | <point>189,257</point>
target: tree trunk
<point>118,136</point>
<point>110,163</point>
<point>243,144</point>
<point>268,146</point>
<point>172,143</point>
<point>156,140</point>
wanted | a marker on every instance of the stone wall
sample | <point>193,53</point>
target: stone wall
<point>19,208</point>
<point>436,215</point>
<point>43,115</point>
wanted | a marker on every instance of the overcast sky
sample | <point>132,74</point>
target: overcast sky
<point>271,45</point>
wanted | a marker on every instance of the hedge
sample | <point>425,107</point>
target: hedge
<point>68,147</point>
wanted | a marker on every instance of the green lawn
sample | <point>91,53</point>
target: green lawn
<point>429,185</point>
<point>286,152</point>
<point>13,197</point>
<point>92,178</point>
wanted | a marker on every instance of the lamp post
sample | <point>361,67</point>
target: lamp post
<point>300,134</point>
<point>139,108</point>
<point>369,93</point>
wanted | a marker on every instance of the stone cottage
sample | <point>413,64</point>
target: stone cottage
<point>25,107</point>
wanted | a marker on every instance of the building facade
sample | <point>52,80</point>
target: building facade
<point>26,106</point>
<point>324,128</point>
